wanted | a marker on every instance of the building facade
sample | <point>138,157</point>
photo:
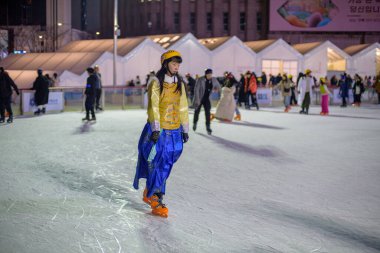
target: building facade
<point>203,18</point>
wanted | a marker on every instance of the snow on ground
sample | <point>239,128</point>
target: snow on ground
<point>274,182</point>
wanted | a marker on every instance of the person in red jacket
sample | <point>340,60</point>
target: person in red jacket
<point>250,89</point>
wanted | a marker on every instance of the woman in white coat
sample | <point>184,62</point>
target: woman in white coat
<point>226,106</point>
<point>305,89</point>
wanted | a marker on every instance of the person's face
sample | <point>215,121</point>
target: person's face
<point>96,69</point>
<point>173,67</point>
<point>209,76</point>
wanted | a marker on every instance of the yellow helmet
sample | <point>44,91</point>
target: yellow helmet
<point>290,76</point>
<point>308,71</point>
<point>322,79</point>
<point>170,54</point>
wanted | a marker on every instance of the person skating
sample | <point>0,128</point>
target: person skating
<point>343,89</point>
<point>6,85</point>
<point>202,93</point>
<point>325,93</point>
<point>286,92</point>
<point>376,86</point>
<point>250,89</point>
<point>99,87</point>
<point>293,89</point>
<point>90,92</point>
<point>161,141</point>
<point>227,104</point>
<point>357,90</point>
<point>305,88</point>
<point>190,84</point>
<point>41,96</point>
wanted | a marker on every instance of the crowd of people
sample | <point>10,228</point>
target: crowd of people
<point>241,90</point>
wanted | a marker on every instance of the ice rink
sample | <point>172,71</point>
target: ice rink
<point>273,182</point>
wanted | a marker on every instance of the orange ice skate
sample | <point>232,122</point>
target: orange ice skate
<point>158,208</point>
<point>145,198</point>
<point>237,117</point>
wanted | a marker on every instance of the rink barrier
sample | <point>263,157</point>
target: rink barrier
<point>72,99</point>
<point>63,99</point>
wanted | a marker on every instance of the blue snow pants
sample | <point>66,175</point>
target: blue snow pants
<point>155,161</point>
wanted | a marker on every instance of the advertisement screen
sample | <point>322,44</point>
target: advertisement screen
<point>325,15</point>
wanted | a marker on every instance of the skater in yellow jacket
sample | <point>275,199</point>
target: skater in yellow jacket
<point>162,139</point>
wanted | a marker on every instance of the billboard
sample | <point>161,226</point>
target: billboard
<point>325,15</point>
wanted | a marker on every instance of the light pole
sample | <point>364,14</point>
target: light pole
<point>115,34</point>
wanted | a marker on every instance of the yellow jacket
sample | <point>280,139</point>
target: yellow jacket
<point>168,110</point>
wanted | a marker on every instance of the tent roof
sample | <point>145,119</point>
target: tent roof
<point>213,43</point>
<point>125,46</point>
<point>167,40</point>
<point>259,45</point>
<point>305,48</point>
<point>354,49</point>
<point>59,62</point>
<point>24,78</point>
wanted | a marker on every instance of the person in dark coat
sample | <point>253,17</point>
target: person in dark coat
<point>90,92</point>
<point>202,97</point>
<point>98,88</point>
<point>241,94</point>
<point>357,90</point>
<point>41,96</point>
<point>191,85</point>
<point>264,79</point>
<point>6,85</point>
<point>343,89</point>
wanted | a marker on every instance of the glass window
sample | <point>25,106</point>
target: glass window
<point>225,21</point>
<point>259,21</point>
<point>209,21</point>
<point>242,21</point>
<point>192,21</point>
<point>176,21</point>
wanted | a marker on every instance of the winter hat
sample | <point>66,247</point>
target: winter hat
<point>39,71</point>
<point>208,71</point>
<point>171,54</point>
<point>90,70</point>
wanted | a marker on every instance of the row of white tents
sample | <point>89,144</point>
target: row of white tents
<point>139,55</point>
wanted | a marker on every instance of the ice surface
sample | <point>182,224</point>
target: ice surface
<point>274,182</point>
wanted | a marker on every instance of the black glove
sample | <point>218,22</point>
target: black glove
<point>185,137</point>
<point>155,135</point>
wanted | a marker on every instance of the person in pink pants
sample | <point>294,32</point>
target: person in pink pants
<point>324,96</point>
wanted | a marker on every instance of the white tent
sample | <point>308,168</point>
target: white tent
<point>136,57</point>
<point>105,63</point>
<point>196,57</point>
<point>230,54</point>
<point>275,56</point>
<point>141,60</point>
<point>365,59</point>
<point>24,78</point>
<point>323,58</point>
<point>69,66</point>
